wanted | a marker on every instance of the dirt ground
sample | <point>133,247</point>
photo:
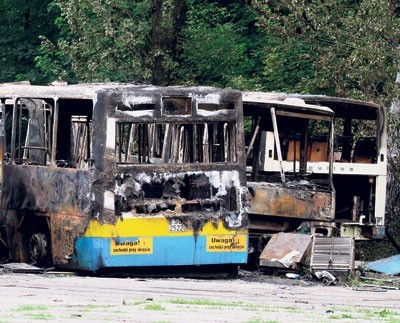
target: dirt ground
<point>251,297</point>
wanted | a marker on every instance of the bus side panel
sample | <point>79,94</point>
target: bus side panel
<point>45,189</point>
<point>148,242</point>
<point>54,202</point>
<point>274,200</point>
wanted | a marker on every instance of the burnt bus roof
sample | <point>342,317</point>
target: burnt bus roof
<point>345,107</point>
<point>210,94</point>
<point>80,91</point>
<point>255,100</point>
<point>88,91</point>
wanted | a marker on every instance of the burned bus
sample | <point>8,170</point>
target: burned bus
<point>360,165</point>
<point>315,164</point>
<point>122,176</point>
<point>284,194</point>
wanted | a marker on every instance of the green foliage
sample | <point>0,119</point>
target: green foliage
<point>21,25</point>
<point>220,45</point>
<point>288,66</point>
<point>355,58</point>
<point>101,40</point>
<point>105,40</point>
<point>224,44</point>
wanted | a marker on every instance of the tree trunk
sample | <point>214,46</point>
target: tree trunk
<point>164,39</point>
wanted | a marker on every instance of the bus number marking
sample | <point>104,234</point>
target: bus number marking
<point>177,225</point>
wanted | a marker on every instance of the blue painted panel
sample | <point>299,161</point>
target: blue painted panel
<point>390,266</point>
<point>94,253</point>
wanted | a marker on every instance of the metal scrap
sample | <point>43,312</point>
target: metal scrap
<point>286,250</point>
<point>326,277</point>
<point>390,266</point>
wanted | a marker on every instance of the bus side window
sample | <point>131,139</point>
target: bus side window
<point>31,145</point>
<point>80,141</point>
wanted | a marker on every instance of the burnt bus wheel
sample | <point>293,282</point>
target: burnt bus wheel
<point>38,248</point>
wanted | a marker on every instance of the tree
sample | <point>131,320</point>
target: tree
<point>356,42</point>
<point>21,24</point>
<point>105,40</point>
<point>198,42</point>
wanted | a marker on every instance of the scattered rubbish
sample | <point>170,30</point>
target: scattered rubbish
<point>301,302</point>
<point>286,250</point>
<point>390,266</point>
<point>326,277</point>
<point>383,287</point>
<point>61,272</point>
<point>304,283</point>
<point>284,287</point>
<point>293,276</point>
<point>363,289</point>
<point>22,268</point>
<point>380,280</point>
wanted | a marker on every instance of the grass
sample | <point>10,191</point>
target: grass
<point>136,303</point>
<point>260,320</point>
<point>289,308</point>
<point>385,313</point>
<point>36,312</point>
<point>23,308</point>
<point>41,316</point>
<point>242,305</point>
<point>95,306</point>
<point>365,314</point>
<point>203,302</point>
<point>154,307</point>
<point>374,314</point>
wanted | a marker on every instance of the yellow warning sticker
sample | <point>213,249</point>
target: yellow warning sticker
<point>140,246</point>
<point>227,243</point>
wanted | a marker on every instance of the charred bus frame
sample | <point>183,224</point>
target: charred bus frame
<point>284,194</point>
<point>346,164</point>
<point>360,165</point>
<point>108,176</point>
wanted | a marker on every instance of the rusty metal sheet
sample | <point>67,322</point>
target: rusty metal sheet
<point>296,202</point>
<point>65,228</point>
<point>286,250</point>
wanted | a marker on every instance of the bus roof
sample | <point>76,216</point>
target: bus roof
<point>283,101</point>
<point>87,91</point>
<point>342,107</point>
<point>79,91</point>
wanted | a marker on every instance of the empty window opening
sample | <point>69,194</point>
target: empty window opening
<point>177,106</point>
<point>32,125</point>
<point>161,143</point>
